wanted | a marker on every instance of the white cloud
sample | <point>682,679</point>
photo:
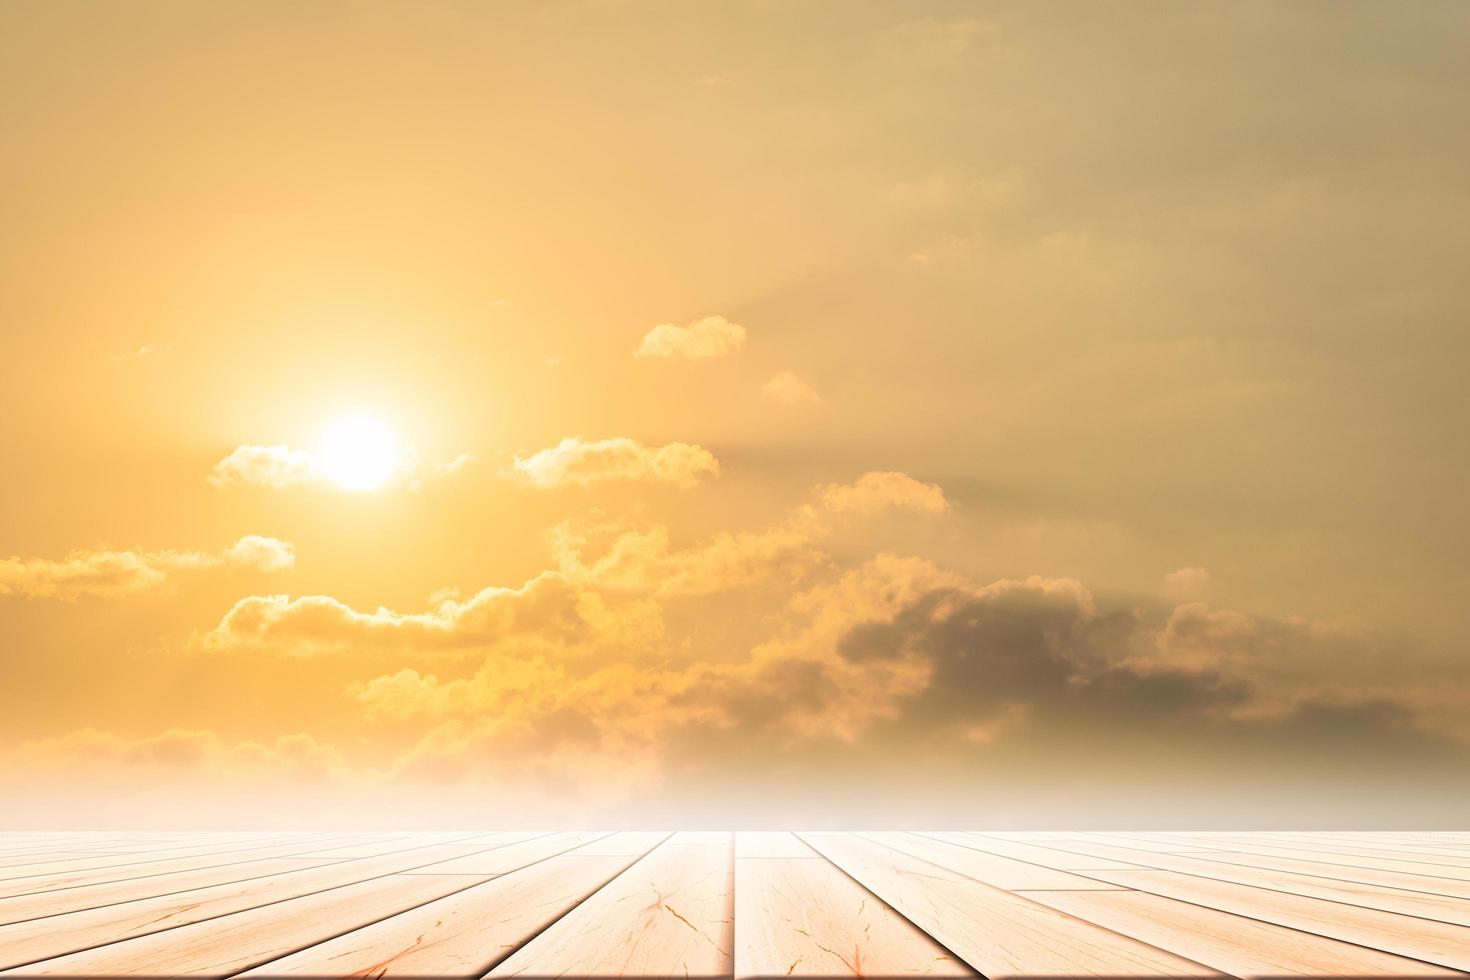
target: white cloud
<point>576,461</point>
<point>262,553</point>
<point>268,466</point>
<point>713,336</point>
<point>281,467</point>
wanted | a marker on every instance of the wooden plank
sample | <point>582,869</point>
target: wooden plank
<point>1002,872</point>
<point>1441,907</point>
<point>15,846</point>
<point>804,918</point>
<point>54,935</point>
<point>1371,842</point>
<point>631,843</point>
<point>1352,861</point>
<point>1233,944</point>
<point>999,933</point>
<point>669,914</point>
<point>1364,870</point>
<point>467,933</point>
<point>1441,943</point>
<point>41,858</point>
<point>1407,846</point>
<point>1031,853</point>
<point>145,869</point>
<point>96,862</point>
<point>517,852</point>
<point>92,843</point>
<point>1252,843</point>
<point>23,908</point>
<point>766,844</point>
<point>380,844</point>
<point>224,946</point>
<point>1139,842</point>
<point>1405,880</point>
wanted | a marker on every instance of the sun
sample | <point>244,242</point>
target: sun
<point>359,453</point>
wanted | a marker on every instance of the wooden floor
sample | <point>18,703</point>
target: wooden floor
<point>628,904</point>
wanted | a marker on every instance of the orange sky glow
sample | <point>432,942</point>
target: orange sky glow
<point>802,415</point>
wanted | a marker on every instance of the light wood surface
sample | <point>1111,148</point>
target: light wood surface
<point>799,915</point>
<point>669,914</point>
<point>1000,933</point>
<point>645,904</point>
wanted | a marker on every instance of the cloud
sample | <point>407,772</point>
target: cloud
<point>789,390</point>
<point>276,467</point>
<point>713,336</point>
<point>893,664</point>
<point>456,464</point>
<point>265,554</point>
<point>642,672</point>
<point>114,573</point>
<point>596,596</point>
<point>1190,581</point>
<point>281,467</point>
<point>642,560</point>
<point>579,462</point>
<point>880,491</point>
<point>548,611</point>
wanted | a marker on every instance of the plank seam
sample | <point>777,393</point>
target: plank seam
<point>572,908</point>
<point>1253,918</point>
<point>431,901</point>
<point>1095,925</point>
<point>211,918</point>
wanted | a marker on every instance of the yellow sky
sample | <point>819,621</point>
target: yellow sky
<point>756,414</point>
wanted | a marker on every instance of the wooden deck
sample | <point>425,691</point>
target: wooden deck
<point>638,904</point>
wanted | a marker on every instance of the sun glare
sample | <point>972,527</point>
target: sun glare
<point>359,453</point>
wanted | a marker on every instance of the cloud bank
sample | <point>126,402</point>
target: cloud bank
<point>577,462</point>
<point>115,573</point>
<point>711,337</point>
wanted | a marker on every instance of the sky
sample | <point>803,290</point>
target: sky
<point>743,415</point>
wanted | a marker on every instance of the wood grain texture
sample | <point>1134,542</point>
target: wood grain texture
<point>668,915</point>
<point>999,933</point>
<point>227,945</point>
<point>1440,943</point>
<point>188,854</point>
<point>1002,872</point>
<point>55,935</point>
<point>23,908</point>
<point>1232,944</point>
<point>467,933</point>
<point>805,918</point>
<point>515,850</point>
<point>101,869</point>
<point>1411,880</point>
<point>534,903</point>
<point>1442,907</point>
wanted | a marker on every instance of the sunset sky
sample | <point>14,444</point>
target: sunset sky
<point>756,414</point>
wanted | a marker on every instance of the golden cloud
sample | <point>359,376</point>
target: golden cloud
<point>787,389</point>
<point>878,491</point>
<point>113,573</point>
<point>579,462</point>
<point>615,678</point>
<point>713,336</point>
<point>276,467</point>
<point>547,611</point>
